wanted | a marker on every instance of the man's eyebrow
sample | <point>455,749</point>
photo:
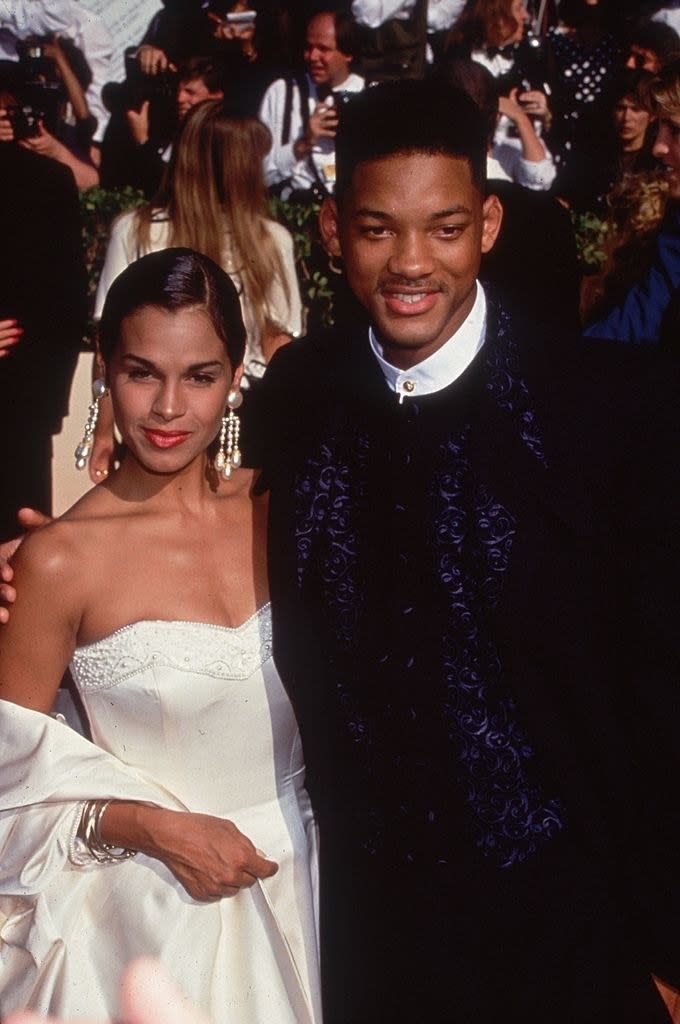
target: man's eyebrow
<point>451,211</point>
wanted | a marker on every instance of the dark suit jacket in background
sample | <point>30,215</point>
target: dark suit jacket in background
<point>42,284</point>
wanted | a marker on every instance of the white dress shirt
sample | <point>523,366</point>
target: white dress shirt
<point>445,365</point>
<point>281,164</point>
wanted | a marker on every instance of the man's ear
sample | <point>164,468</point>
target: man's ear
<point>328,226</point>
<point>492,212</point>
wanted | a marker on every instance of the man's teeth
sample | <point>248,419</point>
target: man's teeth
<point>410,297</point>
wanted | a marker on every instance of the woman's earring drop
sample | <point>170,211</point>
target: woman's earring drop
<point>82,452</point>
<point>228,456</point>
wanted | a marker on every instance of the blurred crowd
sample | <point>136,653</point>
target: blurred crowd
<point>225,105</point>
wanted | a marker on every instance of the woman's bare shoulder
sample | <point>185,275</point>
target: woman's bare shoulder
<point>61,546</point>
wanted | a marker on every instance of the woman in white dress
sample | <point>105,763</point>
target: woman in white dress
<point>154,587</point>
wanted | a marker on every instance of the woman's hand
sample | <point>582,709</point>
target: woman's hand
<point>10,334</point>
<point>207,855</point>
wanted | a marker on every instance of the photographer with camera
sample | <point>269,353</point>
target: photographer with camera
<point>50,114</point>
<point>21,19</point>
<point>148,111</point>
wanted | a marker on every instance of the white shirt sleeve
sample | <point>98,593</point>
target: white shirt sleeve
<point>441,14</point>
<point>95,41</point>
<point>121,252</point>
<point>280,163</point>
<point>374,12</point>
<point>537,175</point>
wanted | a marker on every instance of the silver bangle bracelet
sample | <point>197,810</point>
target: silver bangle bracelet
<point>90,823</point>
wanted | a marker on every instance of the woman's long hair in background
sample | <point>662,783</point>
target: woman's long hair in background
<point>214,196</point>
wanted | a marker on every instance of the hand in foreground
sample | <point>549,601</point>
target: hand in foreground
<point>534,103</point>
<point>43,143</point>
<point>103,458</point>
<point>10,334</point>
<point>152,60</point>
<point>323,122</point>
<point>6,129</point>
<point>29,518</point>
<point>511,107</point>
<point>148,996</point>
<point>138,123</point>
<point>209,856</point>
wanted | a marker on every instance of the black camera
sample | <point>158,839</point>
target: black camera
<point>159,88</point>
<point>25,120</point>
<point>36,66</point>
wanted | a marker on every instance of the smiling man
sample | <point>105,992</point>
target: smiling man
<point>442,617</point>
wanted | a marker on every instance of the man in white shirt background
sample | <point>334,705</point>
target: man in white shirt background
<point>301,112</point>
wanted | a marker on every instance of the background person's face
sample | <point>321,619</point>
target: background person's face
<point>194,91</point>
<point>325,63</point>
<point>631,122</point>
<point>667,150</point>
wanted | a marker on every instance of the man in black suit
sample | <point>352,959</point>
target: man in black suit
<point>451,617</point>
<point>42,287</point>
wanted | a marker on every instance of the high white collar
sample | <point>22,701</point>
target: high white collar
<point>443,366</point>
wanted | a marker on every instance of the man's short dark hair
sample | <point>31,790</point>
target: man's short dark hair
<point>409,116</point>
<point>347,36</point>
<point>209,71</point>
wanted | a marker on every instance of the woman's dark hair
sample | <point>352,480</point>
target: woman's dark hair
<point>634,83</point>
<point>574,13</point>
<point>173,280</point>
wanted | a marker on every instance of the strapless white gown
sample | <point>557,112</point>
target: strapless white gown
<point>190,716</point>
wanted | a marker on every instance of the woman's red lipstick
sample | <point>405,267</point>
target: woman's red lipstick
<point>166,438</point>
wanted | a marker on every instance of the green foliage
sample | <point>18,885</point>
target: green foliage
<point>311,260</point>
<point>98,208</point>
<point>591,232</point>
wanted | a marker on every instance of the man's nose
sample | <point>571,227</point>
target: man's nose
<point>411,256</point>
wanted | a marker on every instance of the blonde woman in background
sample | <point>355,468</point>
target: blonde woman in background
<point>213,200</point>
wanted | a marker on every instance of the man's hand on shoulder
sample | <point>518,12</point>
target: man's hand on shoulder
<point>30,519</point>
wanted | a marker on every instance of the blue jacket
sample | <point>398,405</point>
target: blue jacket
<point>639,317</point>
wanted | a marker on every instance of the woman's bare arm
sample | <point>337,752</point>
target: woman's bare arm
<point>37,642</point>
